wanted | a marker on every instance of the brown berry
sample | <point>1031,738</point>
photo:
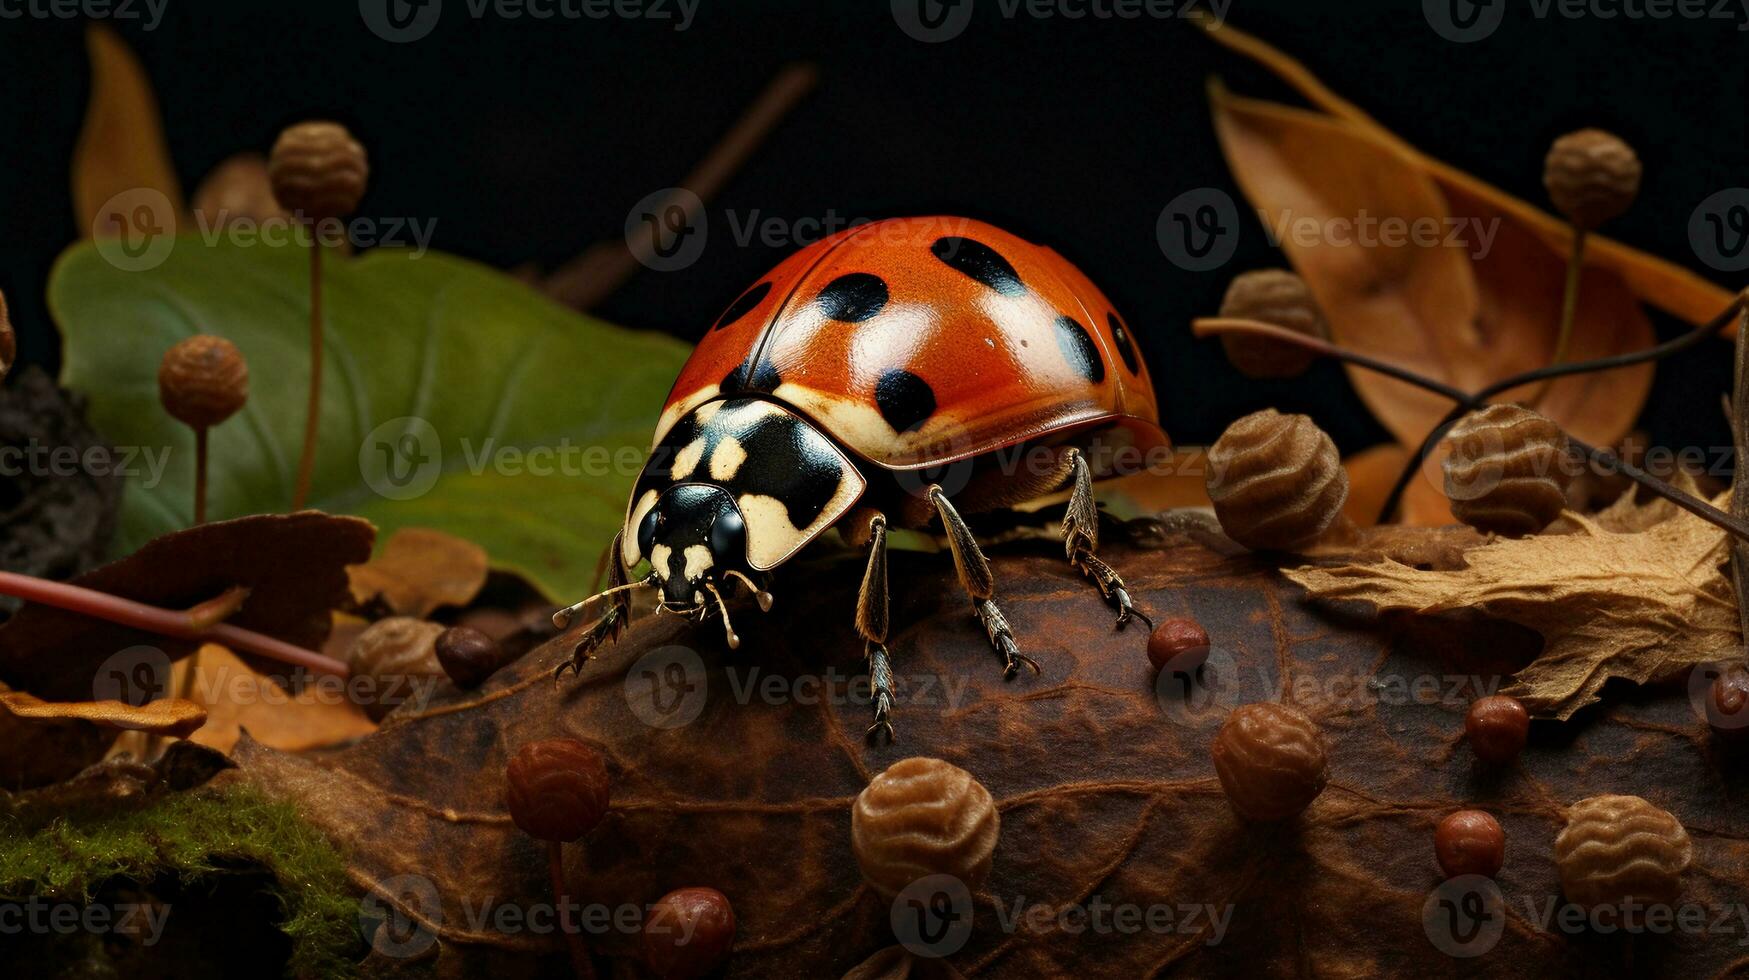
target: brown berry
<point>1271,761</point>
<point>468,656</point>
<point>399,655</point>
<point>688,933</point>
<point>318,170</point>
<point>1278,297</point>
<point>203,380</point>
<point>1728,702</point>
<point>8,341</point>
<point>1592,176</point>
<point>1181,643</point>
<point>1469,842</point>
<point>1508,470</point>
<point>923,817</point>
<point>1620,848</point>
<point>1275,480</point>
<point>1498,726</point>
<point>238,189</point>
<point>557,790</point>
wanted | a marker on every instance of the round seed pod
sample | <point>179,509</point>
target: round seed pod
<point>923,817</point>
<point>1727,708</point>
<point>318,170</point>
<point>1469,842</point>
<point>468,656</point>
<point>8,340</point>
<point>1617,848</point>
<point>1498,727</point>
<point>397,654</point>
<point>1271,761</point>
<point>1507,472</point>
<point>688,933</point>
<point>1592,176</point>
<point>1275,480</point>
<point>556,790</point>
<point>203,380</point>
<point>1278,297</point>
<point>1179,643</point>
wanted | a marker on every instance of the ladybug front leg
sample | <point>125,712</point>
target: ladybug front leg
<point>1081,538</point>
<point>980,584</point>
<point>871,623</point>
<point>608,628</point>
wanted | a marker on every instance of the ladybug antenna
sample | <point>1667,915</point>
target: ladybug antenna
<point>734,641</point>
<point>763,596</point>
<point>563,617</point>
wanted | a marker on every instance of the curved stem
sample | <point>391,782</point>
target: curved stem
<point>573,937</point>
<point>200,475</point>
<point>1569,308</point>
<point>313,411</point>
<point>181,624</point>
<point>1604,458</point>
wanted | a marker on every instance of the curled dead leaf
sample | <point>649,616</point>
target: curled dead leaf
<point>420,570</point>
<point>167,716</point>
<point>121,148</point>
<point>1372,473</point>
<point>236,699</point>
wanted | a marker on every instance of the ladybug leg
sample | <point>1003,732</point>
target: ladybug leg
<point>608,628</point>
<point>974,571</point>
<point>1081,538</point>
<point>871,624</point>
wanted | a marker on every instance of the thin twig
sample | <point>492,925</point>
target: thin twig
<point>1604,458</point>
<point>580,964</point>
<point>181,624</point>
<point>1569,309</point>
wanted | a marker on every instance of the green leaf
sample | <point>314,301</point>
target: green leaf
<point>495,371</point>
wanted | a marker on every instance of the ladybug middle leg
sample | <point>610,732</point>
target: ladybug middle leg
<point>1081,538</point>
<point>980,584</point>
<point>871,624</point>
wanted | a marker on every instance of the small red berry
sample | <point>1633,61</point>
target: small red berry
<point>467,655</point>
<point>688,933</point>
<point>1182,643</point>
<point>1498,727</point>
<point>557,789</point>
<point>1469,842</point>
<point>1728,703</point>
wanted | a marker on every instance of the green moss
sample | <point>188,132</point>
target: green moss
<point>192,835</point>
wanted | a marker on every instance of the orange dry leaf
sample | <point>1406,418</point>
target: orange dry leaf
<point>237,698</point>
<point>121,149</point>
<point>1466,310</point>
<point>419,570</point>
<point>169,716</point>
<point>1653,280</point>
<point>1372,472</point>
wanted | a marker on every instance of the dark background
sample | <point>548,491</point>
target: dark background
<point>528,140</point>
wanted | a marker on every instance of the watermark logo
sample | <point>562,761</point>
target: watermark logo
<point>1465,916</point>
<point>399,916</point>
<point>401,459</point>
<point>150,13</point>
<point>932,21</point>
<point>135,230</point>
<point>932,916</point>
<point>133,676</point>
<point>667,687</point>
<point>1718,230</point>
<point>400,21</point>
<point>1196,688</point>
<point>1464,21</point>
<point>1700,696</point>
<point>1199,229</point>
<point>666,229</point>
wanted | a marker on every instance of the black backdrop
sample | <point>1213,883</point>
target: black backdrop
<point>526,140</point>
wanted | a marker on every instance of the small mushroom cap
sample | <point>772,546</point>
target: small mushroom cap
<point>1620,848</point>
<point>923,817</point>
<point>1591,176</point>
<point>1278,297</point>
<point>1275,480</point>
<point>1271,761</point>
<point>318,170</point>
<point>203,380</point>
<point>688,933</point>
<point>557,790</point>
<point>1508,470</point>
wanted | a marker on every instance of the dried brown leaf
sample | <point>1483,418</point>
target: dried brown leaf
<point>1372,472</point>
<point>121,148</point>
<point>167,716</point>
<point>1643,606</point>
<point>419,570</point>
<point>238,699</point>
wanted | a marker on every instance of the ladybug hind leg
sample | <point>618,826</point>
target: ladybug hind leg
<point>1081,539</point>
<point>980,584</point>
<point>871,625</point>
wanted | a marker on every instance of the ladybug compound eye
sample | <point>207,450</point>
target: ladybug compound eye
<point>728,536</point>
<point>647,531</point>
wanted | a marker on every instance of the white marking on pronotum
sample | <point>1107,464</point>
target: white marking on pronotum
<point>726,459</point>
<point>686,460</point>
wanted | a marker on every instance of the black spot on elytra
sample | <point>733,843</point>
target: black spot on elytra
<point>853,297</point>
<point>981,262</point>
<point>1080,350</point>
<point>906,401</point>
<point>740,308</point>
<point>765,378</point>
<point>1126,345</point>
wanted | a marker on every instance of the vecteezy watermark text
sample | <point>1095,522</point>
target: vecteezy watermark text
<point>403,21</point>
<point>934,21</point>
<point>150,13</point>
<point>39,916</point>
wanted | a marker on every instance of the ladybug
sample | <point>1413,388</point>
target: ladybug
<point>899,373</point>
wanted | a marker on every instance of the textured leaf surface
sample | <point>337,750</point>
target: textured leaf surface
<point>527,421</point>
<point>1106,790</point>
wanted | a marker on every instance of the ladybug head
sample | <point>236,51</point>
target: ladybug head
<point>695,538</point>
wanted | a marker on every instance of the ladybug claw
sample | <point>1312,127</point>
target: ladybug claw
<point>1016,660</point>
<point>881,727</point>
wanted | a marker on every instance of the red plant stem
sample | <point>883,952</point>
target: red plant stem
<point>166,622</point>
<point>200,475</point>
<point>313,411</point>
<point>573,937</point>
